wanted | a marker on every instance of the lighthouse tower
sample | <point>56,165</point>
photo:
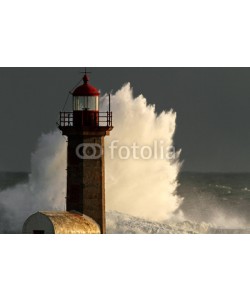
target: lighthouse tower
<point>85,128</point>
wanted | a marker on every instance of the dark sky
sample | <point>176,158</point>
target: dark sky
<point>212,105</point>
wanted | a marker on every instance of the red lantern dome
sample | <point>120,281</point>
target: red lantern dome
<point>86,89</point>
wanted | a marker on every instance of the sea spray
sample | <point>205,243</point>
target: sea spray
<point>45,189</point>
<point>140,187</point>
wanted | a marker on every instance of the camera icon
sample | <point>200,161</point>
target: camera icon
<point>89,151</point>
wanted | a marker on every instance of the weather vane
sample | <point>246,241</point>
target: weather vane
<point>85,72</point>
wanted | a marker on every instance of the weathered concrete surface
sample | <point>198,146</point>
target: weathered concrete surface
<point>86,177</point>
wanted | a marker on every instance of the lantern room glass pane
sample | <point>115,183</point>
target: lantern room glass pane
<point>85,103</point>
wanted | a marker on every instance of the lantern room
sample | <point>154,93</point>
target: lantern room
<point>86,114</point>
<point>85,97</point>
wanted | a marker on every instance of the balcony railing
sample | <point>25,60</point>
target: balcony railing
<point>98,119</point>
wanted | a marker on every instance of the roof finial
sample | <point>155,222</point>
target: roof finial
<point>85,77</point>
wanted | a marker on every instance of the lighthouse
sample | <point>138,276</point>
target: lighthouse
<point>85,128</point>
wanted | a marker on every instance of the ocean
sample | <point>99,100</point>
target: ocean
<point>213,203</point>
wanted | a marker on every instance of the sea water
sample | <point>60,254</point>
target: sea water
<point>213,203</point>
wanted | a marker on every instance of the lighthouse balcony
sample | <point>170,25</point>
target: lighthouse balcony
<point>81,119</point>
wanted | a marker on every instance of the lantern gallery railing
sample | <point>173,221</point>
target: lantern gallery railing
<point>86,118</point>
<point>66,119</point>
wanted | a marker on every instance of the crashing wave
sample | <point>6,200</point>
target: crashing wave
<point>119,223</point>
<point>123,223</point>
